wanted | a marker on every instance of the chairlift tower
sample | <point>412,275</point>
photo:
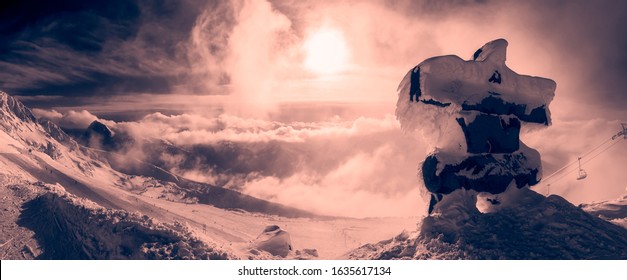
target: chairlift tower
<point>622,132</point>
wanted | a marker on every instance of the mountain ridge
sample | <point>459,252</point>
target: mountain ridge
<point>17,117</point>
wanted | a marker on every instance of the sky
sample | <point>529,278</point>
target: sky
<point>317,79</point>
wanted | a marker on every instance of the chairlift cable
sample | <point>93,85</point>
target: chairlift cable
<point>548,180</point>
<point>575,161</point>
<point>622,132</point>
<point>584,162</point>
<point>588,160</point>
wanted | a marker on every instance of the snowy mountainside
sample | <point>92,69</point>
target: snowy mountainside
<point>27,136</point>
<point>35,215</point>
<point>10,108</point>
<point>52,185</point>
<point>543,228</point>
<point>53,224</point>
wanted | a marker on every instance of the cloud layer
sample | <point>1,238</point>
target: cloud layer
<point>332,167</point>
<point>338,166</point>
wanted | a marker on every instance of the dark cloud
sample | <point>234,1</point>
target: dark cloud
<point>589,39</point>
<point>87,48</point>
<point>436,8</point>
<point>81,25</point>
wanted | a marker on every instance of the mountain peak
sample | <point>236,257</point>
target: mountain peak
<point>10,105</point>
<point>100,128</point>
<point>98,135</point>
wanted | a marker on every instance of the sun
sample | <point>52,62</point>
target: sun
<point>326,52</point>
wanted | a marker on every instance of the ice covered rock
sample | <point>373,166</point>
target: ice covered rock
<point>306,254</point>
<point>484,84</point>
<point>275,241</point>
<point>474,110</point>
<point>484,172</point>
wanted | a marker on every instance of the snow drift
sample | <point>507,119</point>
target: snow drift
<point>539,228</point>
<point>275,241</point>
<point>68,227</point>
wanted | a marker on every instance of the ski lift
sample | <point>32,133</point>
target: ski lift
<point>582,173</point>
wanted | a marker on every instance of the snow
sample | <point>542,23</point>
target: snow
<point>534,227</point>
<point>37,153</point>
<point>275,241</point>
<point>68,227</point>
<point>60,200</point>
<point>465,84</point>
<point>231,231</point>
<point>151,187</point>
<point>451,80</point>
<point>471,113</point>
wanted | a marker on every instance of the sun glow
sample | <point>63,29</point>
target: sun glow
<point>326,52</point>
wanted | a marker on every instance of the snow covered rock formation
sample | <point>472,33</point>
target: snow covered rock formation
<point>475,109</point>
<point>275,241</point>
<point>535,227</point>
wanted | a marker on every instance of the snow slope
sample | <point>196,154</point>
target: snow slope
<point>68,227</point>
<point>36,153</point>
<point>538,228</point>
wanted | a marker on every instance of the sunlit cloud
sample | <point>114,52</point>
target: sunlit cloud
<point>326,52</point>
<point>70,119</point>
<point>268,76</point>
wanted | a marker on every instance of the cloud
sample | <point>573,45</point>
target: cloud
<point>119,48</point>
<point>252,50</point>
<point>51,115</point>
<point>337,165</point>
<point>334,166</point>
<point>366,184</point>
<point>561,145</point>
<point>363,161</point>
<point>192,129</point>
<point>247,56</point>
<point>70,119</point>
